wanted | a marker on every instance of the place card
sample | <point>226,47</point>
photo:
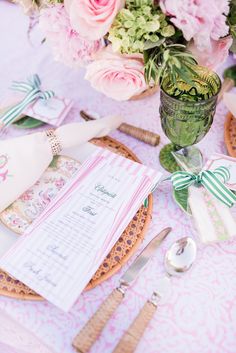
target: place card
<point>64,247</point>
<point>52,111</point>
<point>218,160</point>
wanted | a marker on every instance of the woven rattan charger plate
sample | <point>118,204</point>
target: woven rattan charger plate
<point>230,134</point>
<point>120,253</point>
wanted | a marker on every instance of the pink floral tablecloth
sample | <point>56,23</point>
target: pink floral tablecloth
<point>199,315</point>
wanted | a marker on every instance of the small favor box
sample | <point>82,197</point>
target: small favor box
<point>28,99</point>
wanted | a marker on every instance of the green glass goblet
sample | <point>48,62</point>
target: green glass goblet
<point>187,112</point>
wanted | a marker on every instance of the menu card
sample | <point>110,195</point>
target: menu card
<point>63,248</point>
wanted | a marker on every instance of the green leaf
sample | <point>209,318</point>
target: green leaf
<point>184,76</point>
<point>230,72</point>
<point>28,123</point>
<point>145,56</point>
<point>53,163</point>
<point>181,198</point>
<point>233,46</point>
<point>150,45</point>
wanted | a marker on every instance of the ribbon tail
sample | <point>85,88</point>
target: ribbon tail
<point>12,114</point>
<point>218,189</point>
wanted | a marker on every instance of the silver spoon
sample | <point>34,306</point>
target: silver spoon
<point>178,259</point>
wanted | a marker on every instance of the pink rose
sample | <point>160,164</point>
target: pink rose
<point>92,18</point>
<point>117,76</point>
<point>68,46</point>
<point>216,54</point>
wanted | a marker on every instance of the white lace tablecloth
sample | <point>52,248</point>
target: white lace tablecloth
<point>199,315</point>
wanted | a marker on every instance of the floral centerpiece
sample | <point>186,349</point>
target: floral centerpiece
<point>129,46</point>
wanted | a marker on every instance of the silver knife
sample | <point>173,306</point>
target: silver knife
<point>131,274</point>
<point>93,328</point>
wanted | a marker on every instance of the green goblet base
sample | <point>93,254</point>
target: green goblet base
<point>188,158</point>
<point>166,158</point>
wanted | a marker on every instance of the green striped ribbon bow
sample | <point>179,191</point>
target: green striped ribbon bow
<point>212,181</point>
<point>32,88</point>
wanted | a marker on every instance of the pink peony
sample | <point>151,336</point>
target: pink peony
<point>200,20</point>
<point>219,51</point>
<point>68,46</point>
<point>92,18</point>
<point>117,76</point>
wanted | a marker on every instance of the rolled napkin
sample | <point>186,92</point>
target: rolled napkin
<point>24,159</point>
<point>229,81</point>
<point>229,100</point>
<point>143,135</point>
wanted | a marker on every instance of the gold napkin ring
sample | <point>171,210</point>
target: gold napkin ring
<point>54,142</point>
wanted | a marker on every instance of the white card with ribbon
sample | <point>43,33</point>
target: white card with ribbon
<point>64,247</point>
<point>213,220</point>
<point>30,100</point>
<point>221,160</point>
<point>52,111</point>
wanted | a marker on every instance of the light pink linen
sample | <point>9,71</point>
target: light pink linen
<point>16,339</point>
<point>199,315</point>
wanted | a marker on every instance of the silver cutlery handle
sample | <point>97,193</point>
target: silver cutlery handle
<point>92,330</point>
<point>131,337</point>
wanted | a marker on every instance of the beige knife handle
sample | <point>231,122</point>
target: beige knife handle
<point>132,336</point>
<point>146,136</point>
<point>227,85</point>
<point>91,331</point>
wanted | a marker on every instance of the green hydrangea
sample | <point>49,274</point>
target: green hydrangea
<point>45,3</point>
<point>138,23</point>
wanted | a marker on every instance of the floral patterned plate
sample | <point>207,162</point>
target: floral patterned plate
<point>30,205</point>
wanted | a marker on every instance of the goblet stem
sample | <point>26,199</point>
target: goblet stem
<point>185,152</point>
<point>176,147</point>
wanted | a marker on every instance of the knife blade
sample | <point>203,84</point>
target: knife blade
<point>93,328</point>
<point>133,271</point>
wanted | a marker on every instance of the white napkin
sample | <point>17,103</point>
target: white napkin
<point>229,100</point>
<point>24,159</point>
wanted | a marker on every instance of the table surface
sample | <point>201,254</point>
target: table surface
<point>199,314</point>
